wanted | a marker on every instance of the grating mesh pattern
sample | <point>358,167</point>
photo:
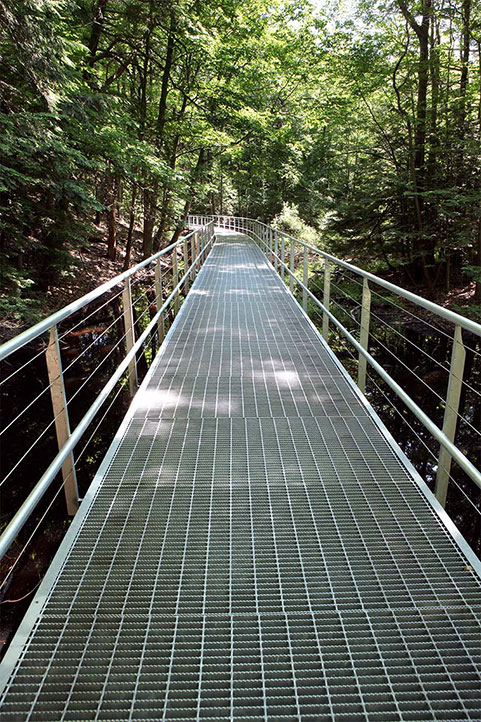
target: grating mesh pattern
<point>256,549</point>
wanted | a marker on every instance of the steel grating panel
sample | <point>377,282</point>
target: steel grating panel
<point>255,548</point>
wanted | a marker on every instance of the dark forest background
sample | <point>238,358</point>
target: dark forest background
<point>360,131</point>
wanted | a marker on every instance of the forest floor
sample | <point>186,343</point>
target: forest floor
<point>91,268</point>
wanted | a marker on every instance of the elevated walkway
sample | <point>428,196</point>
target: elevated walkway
<point>254,545</point>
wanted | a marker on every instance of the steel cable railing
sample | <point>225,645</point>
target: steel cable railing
<point>136,333</point>
<point>291,258</point>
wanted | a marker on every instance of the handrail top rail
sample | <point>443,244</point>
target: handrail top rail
<point>451,316</point>
<point>46,324</point>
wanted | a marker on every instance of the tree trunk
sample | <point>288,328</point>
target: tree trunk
<point>201,160</point>
<point>463,83</point>
<point>477,287</point>
<point>165,80</point>
<point>150,207</point>
<point>112,217</point>
<point>95,35</point>
<point>130,234</point>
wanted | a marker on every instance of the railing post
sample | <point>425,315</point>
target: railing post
<point>455,384</point>
<point>186,264</point>
<point>193,254</point>
<point>201,248</point>
<point>283,256</point>
<point>62,424</point>
<point>129,333</point>
<point>276,250</point>
<point>364,335</point>
<point>292,264</point>
<point>159,299</point>
<point>175,279</point>
<point>305,278</point>
<point>326,299</point>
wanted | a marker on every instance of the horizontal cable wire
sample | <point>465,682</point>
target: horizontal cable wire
<point>435,393</point>
<point>62,485</point>
<point>444,366</point>
<point>49,425</point>
<point>68,402</point>
<point>348,313</point>
<point>20,368</point>
<point>86,318</point>
<point>93,343</point>
<point>441,364</point>
<point>432,454</point>
<point>96,369</point>
<point>64,371</point>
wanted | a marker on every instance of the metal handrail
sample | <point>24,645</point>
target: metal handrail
<point>435,308</point>
<point>71,439</point>
<point>269,237</point>
<point>54,319</point>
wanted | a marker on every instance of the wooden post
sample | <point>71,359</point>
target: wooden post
<point>364,335</point>
<point>129,334</point>
<point>305,278</point>
<point>292,262</point>
<point>62,424</point>
<point>199,249</point>
<point>175,279</point>
<point>192,255</point>
<point>326,299</point>
<point>283,256</point>
<point>455,384</point>
<point>159,300</point>
<point>186,265</point>
<point>196,248</point>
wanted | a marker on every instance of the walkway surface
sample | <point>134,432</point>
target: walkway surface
<point>254,547</point>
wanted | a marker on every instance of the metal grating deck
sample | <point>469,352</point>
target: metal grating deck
<point>254,547</point>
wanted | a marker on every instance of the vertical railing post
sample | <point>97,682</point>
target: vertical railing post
<point>159,300</point>
<point>305,278</point>
<point>326,299</point>
<point>129,333</point>
<point>364,335</point>
<point>276,250</point>
<point>186,265</point>
<point>283,256</point>
<point>193,243</point>
<point>62,424</point>
<point>201,247</point>
<point>455,385</point>
<point>292,265</point>
<point>175,279</point>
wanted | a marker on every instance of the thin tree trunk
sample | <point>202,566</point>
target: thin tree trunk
<point>112,216</point>
<point>95,35</point>
<point>130,234</point>
<point>150,208</point>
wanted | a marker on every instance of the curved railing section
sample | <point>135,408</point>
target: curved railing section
<point>150,290</point>
<point>294,260</point>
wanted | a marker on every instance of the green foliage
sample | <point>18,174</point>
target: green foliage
<point>289,221</point>
<point>144,110</point>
